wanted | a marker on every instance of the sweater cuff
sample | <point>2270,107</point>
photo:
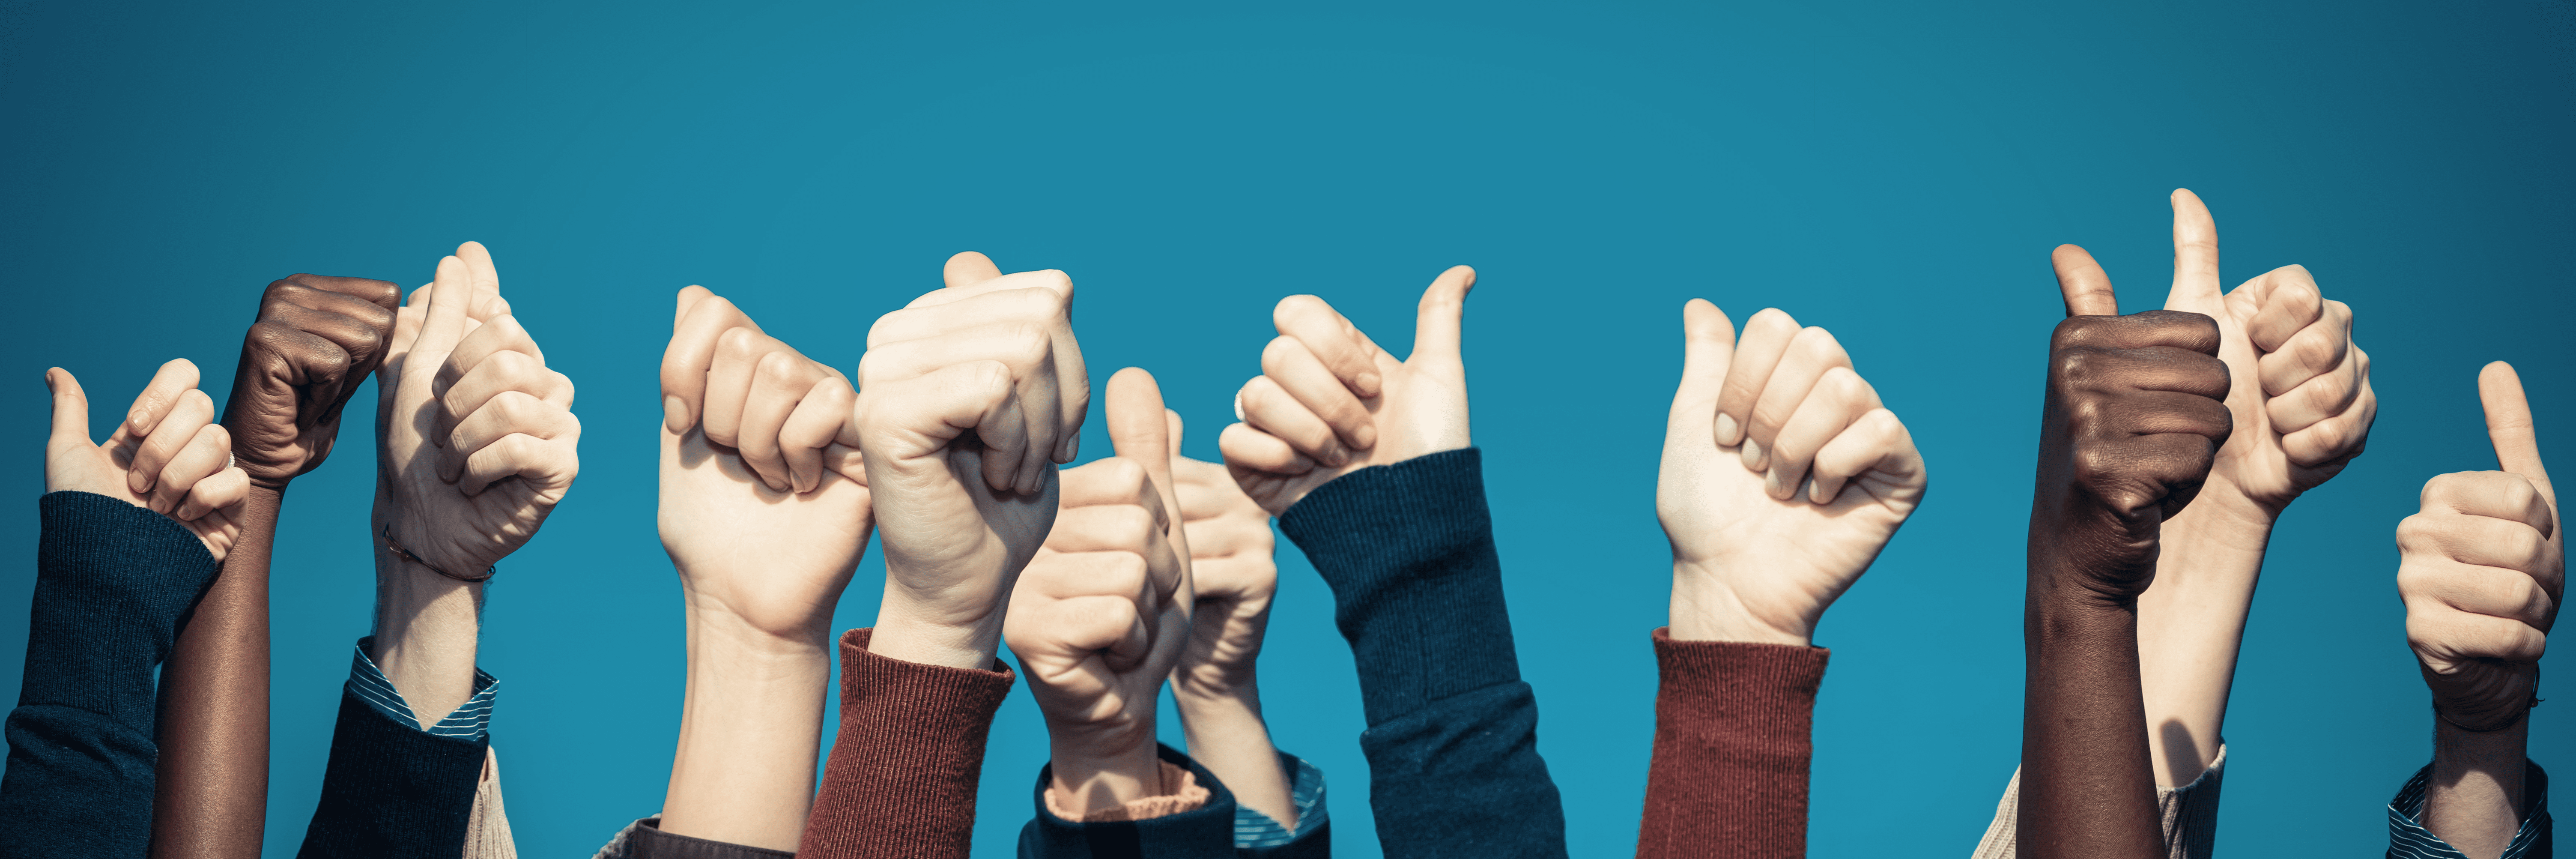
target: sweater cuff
<point>1756,699</point>
<point>112,580</point>
<point>902,775</point>
<point>1181,792</point>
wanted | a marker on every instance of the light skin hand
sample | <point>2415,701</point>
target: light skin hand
<point>1329,401</point>
<point>1782,478</point>
<point>937,382</point>
<point>169,434</point>
<point>1101,616</point>
<point>2301,401</point>
<point>1215,687</point>
<point>764,511</point>
<point>2483,567</point>
<point>476,442</point>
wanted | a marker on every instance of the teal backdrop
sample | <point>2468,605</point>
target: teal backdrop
<point>1895,172</point>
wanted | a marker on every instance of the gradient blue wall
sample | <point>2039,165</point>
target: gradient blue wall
<point>1894,172</point>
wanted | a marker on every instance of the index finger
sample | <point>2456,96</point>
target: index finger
<point>1350,354</point>
<point>705,318</point>
<point>2509,426</point>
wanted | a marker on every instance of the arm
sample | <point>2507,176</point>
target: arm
<point>1279,799</point>
<point>994,354</point>
<point>1365,460</point>
<point>315,341</point>
<point>2131,421</point>
<point>2483,569</point>
<point>116,568</point>
<point>1783,476</point>
<point>2300,399</point>
<point>476,443</point>
<point>764,511</point>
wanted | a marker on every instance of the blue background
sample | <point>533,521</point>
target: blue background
<point>1894,172</point>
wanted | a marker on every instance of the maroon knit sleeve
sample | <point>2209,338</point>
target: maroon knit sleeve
<point>901,779</point>
<point>1729,778</point>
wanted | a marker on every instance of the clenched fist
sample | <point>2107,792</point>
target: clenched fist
<point>2134,414</point>
<point>317,338</point>
<point>2483,568</point>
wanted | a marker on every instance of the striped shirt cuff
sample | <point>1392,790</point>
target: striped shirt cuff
<point>1306,788</point>
<point>2408,839</point>
<point>471,721</point>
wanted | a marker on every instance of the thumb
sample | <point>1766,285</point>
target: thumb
<point>479,269</point>
<point>1435,322</point>
<point>71,408</point>
<point>449,293</point>
<point>1708,348</point>
<point>967,269</point>
<point>2195,241</point>
<point>1139,428</point>
<point>2517,446</point>
<point>1172,430</point>
<point>2086,286</point>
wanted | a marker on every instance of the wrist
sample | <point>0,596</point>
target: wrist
<point>1703,609</point>
<point>1101,765</point>
<point>904,633</point>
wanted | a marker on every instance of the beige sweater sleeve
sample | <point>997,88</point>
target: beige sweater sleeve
<point>2190,815</point>
<point>487,830</point>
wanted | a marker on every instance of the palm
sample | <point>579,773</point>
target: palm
<point>100,469</point>
<point>739,543</point>
<point>1784,561</point>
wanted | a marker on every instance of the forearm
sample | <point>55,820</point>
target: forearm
<point>211,797</point>
<point>2191,624</point>
<point>427,626</point>
<point>751,728</point>
<point>2475,800</point>
<point>2087,789</point>
<point>1228,736</point>
<point>1099,767</point>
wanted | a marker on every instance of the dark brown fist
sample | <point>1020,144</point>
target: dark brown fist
<point>317,338</point>
<point>2134,416</point>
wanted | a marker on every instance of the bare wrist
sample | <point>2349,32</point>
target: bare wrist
<point>1704,610</point>
<point>902,634</point>
<point>1096,767</point>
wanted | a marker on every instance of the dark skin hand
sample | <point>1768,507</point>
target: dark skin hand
<point>2133,420</point>
<point>317,338</point>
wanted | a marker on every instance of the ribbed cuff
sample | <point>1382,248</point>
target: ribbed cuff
<point>112,580</point>
<point>902,776</point>
<point>1733,740</point>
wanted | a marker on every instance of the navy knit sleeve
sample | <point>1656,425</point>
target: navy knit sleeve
<point>112,582</point>
<point>391,790</point>
<point>1452,742</point>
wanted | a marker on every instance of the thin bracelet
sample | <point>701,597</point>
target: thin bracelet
<point>407,555</point>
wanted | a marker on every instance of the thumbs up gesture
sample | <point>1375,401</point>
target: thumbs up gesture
<point>2483,567</point>
<point>168,455</point>
<point>1329,401</point>
<point>477,437</point>
<point>2299,389</point>
<point>1103,612</point>
<point>2132,419</point>
<point>1782,478</point>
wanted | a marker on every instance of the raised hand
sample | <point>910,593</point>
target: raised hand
<point>1103,612</point>
<point>477,440</point>
<point>1215,687</point>
<point>169,446</point>
<point>764,510</point>
<point>1329,401</point>
<point>316,340</point>
<point>2131,420</point>
<point>1782,478</point>
<point>2483,567</point>
<point>956,399</point>
<point>2299,389</point>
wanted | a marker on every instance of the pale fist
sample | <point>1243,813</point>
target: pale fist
<point>1232,574</point>
<point>477,440</point>
<point>168,455</point>
<point>2482,570</point>
<point>2132,419</point>
<point>1783,476</point>
<point>316,340</point>
<point>1329,401</point>
<point>2299,390</point>
<point>764,499</point>
<point>1101,615</point>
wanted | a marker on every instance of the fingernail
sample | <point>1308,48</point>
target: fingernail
<point>137,481</point>
<point>1753,455</point>
<point>1369,382</point>
<point>1726,428</point>
<point>1367,436</point>
<point>675,414</point>
<point>1771,483</point>
<point>135,419</point>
